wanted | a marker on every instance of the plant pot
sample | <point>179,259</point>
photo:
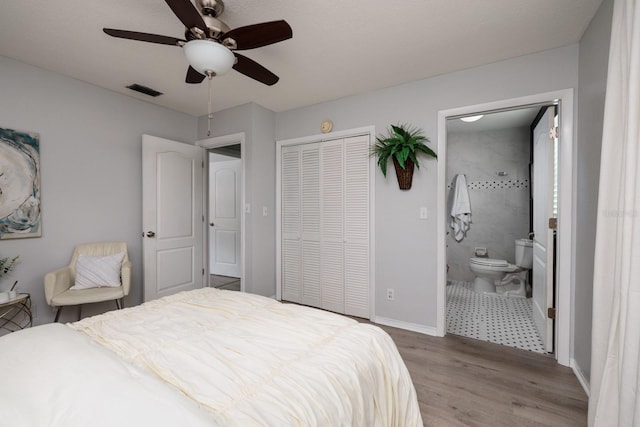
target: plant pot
<point>405,176</point>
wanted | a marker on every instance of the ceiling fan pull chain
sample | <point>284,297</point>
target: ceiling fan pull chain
<point>209,113</point>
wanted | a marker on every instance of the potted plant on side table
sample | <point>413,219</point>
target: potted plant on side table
<point>6,265</point>
<point>402,144</point>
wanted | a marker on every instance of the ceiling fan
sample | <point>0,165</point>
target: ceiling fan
<point>210,45</point>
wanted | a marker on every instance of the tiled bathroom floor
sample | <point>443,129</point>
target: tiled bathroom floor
<point>497,319</point>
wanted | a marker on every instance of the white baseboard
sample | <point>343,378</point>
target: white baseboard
<point>580,375</point>
<point>408,326</point>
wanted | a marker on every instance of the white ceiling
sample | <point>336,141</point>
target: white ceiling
<point>339,48</point>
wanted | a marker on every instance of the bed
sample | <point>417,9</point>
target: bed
<point>206,358</point>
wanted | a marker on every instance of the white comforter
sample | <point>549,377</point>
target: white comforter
<point>247,360</point>
<point>54,376</point>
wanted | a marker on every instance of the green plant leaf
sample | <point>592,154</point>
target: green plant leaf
<point>427,150</point>
<point>412,157</point>
<point>401,142</point>
<point>402,155</point>
<point>382,162</point>
<point>7,264</point>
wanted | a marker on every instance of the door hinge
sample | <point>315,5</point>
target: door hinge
<point>553,133</point>
<point>203,271</point>
<point>553,223</point>
<point>551,312</point>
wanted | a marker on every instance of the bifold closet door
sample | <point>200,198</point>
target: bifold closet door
<point>301,224</point>
<point>333,226</point>
<point>291,243</point>
<point>310,198</point>
<point>325,225</point>
<point>356,235</point>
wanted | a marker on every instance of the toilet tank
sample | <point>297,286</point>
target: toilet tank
<point>524,253</point>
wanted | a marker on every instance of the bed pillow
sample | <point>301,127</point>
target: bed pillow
<point>97,271</point>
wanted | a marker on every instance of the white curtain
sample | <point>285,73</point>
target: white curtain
<point>615,356</point>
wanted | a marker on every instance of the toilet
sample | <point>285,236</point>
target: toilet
<point>497,276</point>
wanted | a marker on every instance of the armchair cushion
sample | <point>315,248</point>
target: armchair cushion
<point>98,271</point>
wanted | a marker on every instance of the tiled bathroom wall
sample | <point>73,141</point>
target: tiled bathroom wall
<point>499,204</point>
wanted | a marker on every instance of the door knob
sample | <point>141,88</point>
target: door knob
<point>211,224</point>
<point>151,234</point>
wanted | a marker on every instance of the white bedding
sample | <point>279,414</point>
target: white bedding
<point>53,376</point>
<point>246,360</point>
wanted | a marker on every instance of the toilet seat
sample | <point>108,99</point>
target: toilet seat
<point>490,262</point>
<point>493,264</point>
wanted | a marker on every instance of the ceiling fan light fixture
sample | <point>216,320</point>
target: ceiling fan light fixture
<point>207,56</point>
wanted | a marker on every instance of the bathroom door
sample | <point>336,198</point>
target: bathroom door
<point>543,179</point>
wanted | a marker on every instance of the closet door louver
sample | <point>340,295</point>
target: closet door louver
<point>333,226</point>
<point>356,214</point>
<point>291,225</point>
<point>310,174</point>
<point>325,225</point>
<point>301,224</point>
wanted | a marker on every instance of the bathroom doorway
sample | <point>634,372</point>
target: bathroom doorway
<point>490,164</point>
<point>494,154</point>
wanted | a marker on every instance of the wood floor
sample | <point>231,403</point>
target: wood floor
<point>224,282</point>
<point>465,382</point>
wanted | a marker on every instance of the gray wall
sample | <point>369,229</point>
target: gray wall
<point>499,205</point>
<point>594,55</point>
<point>90,157</point>
<point>404,244</point>
<point>258,125</point>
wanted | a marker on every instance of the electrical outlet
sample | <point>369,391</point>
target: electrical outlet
<point>424,213</point>
<point>391,294</point>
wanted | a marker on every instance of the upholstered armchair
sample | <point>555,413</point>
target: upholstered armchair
<point>97,272</point>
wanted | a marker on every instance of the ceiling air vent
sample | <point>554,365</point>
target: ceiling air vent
<point>144,89</point>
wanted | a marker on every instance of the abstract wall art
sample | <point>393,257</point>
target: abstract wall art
<point>19,184</point>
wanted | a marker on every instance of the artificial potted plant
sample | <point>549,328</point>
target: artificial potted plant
<point>6,265</point>
<point>402,144</point>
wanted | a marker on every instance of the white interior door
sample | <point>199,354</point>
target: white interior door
<point>172,206</point>
<point>225,215</point>
<point>301,204</point>
<point>357,226</point>
<point>543,255</point>
<point>291,228</point>
<point>333,226</point>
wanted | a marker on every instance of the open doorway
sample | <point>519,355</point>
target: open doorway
<point>502,175</point>
<point>225,217</point>
<point>562,296</point>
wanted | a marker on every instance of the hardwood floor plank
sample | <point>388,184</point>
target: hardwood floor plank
<point>465,382</point>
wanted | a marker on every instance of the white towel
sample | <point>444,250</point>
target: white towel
<point>460,209</point>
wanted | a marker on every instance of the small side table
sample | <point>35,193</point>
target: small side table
<point>15,314</point>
